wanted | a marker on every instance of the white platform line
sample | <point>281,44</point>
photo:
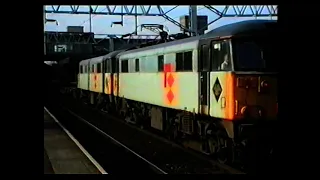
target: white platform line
<point>110,137</point>
<point>98,166</point>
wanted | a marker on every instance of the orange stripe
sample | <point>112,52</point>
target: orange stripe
<point>115,85</point>
<point>107,84</point>
<point>230,100</point>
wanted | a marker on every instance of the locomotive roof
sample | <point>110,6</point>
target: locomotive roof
<point>233,29</point>
<point>96,60</point>
<point>171,43</point>
<point>99,59</point>
<point>239,28</point>
<point>113,54</point>
<point>84,62</point>
<point>107,56</point>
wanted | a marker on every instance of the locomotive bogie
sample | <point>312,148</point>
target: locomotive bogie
<point>206,135</point>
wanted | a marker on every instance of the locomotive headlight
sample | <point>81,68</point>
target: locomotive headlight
<point>243,110</point>
<point>252,112</point>
<point>264,84</point>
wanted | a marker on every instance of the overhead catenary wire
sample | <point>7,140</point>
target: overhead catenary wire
<point>200,9</point>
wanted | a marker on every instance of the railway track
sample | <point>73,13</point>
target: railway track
<point>160,154</point>
<point>152,166</point>
<point>112,155</point>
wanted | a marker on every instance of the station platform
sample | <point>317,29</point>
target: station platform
<point>62,153</point>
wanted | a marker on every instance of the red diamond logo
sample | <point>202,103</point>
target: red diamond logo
<point>170,80</point>
<point>95,77</point>
<point>170,96</point>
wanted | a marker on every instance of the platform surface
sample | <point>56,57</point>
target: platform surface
<point>61,153</point>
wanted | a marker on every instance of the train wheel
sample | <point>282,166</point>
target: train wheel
<point>225,151</point>
<point>74,93</point>
<point>212,146</point>
<point>173,133</point>
<point>222,155</point>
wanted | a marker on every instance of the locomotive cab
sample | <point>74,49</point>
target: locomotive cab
<point>238,78</point>
<point>238,85</point>
<point>255,78</point>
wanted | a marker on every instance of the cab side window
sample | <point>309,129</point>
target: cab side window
<point>160,63</point>
<point>124,66</point>
<point>108,66</point>
<point>92,69</point>
<point>137,65</point>
<point>99,68</point>
<point>184,61</point>
<point>81,69</point>
<point>220,56</point>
